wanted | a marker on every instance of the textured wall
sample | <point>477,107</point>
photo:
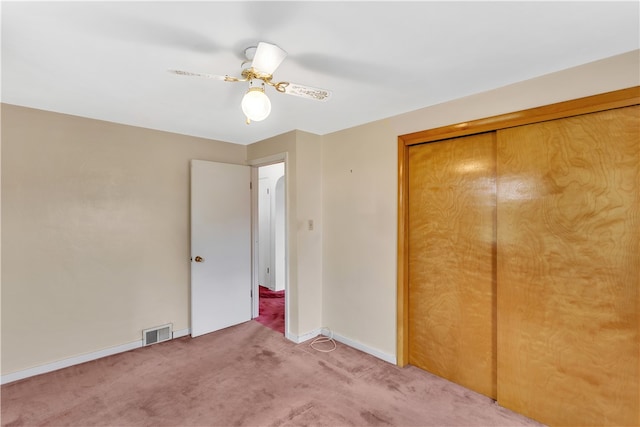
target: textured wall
<point>95,233</point>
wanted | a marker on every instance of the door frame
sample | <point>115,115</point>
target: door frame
<point>255,164</point>
<point>591,104</point>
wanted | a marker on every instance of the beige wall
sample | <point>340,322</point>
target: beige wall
<point>95,232</point>
<point>359,173</point>
<point>309,245</point>
<point>359,253</point>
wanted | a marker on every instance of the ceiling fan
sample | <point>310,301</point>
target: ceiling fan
<point>262,61</point>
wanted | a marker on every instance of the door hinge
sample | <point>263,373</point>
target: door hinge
<point>250,185</point>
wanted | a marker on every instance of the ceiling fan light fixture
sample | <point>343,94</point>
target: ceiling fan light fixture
<point>255,104</point>
<point>267,57</point>
<point>259,64</point>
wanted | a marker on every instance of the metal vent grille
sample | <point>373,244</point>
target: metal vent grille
<point>157,334</point>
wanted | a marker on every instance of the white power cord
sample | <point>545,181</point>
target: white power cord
<point>322,338</point>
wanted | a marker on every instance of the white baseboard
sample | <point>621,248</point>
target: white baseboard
<point>298,339</point>
<point>391,358</point>
<point>181,333</point>
<point>76,360</point>
<point>65,363</point>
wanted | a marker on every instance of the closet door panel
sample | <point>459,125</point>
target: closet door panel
<point>569,269</point>
<point>452,260</point>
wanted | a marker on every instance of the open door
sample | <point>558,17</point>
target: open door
<point>220,246</point>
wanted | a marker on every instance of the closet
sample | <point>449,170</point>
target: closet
<point>519,261</point>
<point>452,260</point>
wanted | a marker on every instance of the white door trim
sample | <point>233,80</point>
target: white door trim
<point>255,164</point>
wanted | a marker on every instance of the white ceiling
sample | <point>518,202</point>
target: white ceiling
<point>109,60</point>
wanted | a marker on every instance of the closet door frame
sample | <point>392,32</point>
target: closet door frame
<point>591,104</point>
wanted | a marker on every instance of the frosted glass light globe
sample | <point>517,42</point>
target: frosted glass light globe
<point>256,105</point>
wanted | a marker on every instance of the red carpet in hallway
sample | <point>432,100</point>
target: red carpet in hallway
<point>272,309</point>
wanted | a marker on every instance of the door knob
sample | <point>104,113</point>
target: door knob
<point>199,259</point>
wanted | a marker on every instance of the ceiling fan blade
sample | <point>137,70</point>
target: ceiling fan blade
<point>307,92</point>
<point>205,75</point>
<point>268,57</point>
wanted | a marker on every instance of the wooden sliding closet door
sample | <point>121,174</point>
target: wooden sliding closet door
<point>451,255</point>
<point>569,269</point>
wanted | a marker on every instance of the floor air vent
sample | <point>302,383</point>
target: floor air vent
<point>157,334</point>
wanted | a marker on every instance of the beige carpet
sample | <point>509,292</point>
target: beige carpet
<point>246,375</point>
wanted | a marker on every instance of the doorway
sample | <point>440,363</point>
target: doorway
<point>270,265</point>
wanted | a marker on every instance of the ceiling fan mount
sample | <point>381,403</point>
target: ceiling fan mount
<point>264,59</point>
<point>251,73</point>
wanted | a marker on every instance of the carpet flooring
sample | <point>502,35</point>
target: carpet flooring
<point>271,308</point>
<point>245,375</point>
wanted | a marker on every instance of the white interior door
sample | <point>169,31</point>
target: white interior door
<point>220,246</point>
<point>264,233</point>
